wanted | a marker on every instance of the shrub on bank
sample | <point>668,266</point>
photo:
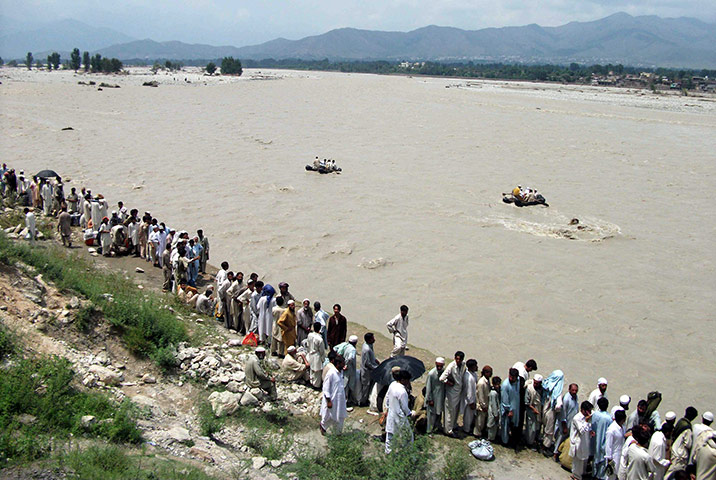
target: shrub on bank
<point>351,455</point>
<point>109,462</point>
<point>39,404</point>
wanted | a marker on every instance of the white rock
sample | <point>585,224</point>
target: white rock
<point>146,378</point>
<point>87,421</point>
<point>92,250</point>
<point>105,375</point>
<point>179,435</point>
<point>224,403</point>
<point>233,386</point>
<point>258,462</point>
<point>275,463</point>
<point>234,342</point>
<point>89,380</point>
<point>139,270</point>
<point>101,359</point>
<point>248,399</point>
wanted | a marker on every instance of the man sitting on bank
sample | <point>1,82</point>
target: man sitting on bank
<point>256,377</point>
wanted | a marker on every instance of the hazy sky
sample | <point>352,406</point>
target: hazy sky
<point>241,23</point>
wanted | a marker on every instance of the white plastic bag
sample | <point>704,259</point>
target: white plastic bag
<point>481,449</point>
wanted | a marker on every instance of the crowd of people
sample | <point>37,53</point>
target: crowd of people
<point>589,437</point>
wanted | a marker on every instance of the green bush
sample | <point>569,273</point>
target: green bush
<point>100,462</point>
<point>7,342</point>
<point>345,460</point>
<point>407,461</point>
<point>109,462</point>
<point>457,466</point>
<point>351,456</point>
<point>165,358</point>
<point>85,317</point>
<point>38,402</point>
<point>208,422</point>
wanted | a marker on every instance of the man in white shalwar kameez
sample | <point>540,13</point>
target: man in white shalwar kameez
<point>96,214</point>
<point>265,308</point>
<point>614,443</point>
<point>398,326</point>
<point>86,211</point>
<point>31,225</point>
<point>453,378</point>
<point>579,434</point>
<point>469,403</point>
<point>697,428</point>
<point>657,451</point>
<point>253,306</point>
<point>638,462</point>
<point>333,400</point>
<point>316,354</point>
<point>46,194</point>
<point>705,455</point>
<point>680,451</point>
<point>244,301</point>
<point>104,237</point>
<point>599,392</point>
<point>397,423</point>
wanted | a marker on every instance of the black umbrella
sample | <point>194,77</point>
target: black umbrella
<point>382,374</point>
<point>47,174</point>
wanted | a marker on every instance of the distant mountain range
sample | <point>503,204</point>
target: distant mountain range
<point>619,38</point>
<point>60,36</point>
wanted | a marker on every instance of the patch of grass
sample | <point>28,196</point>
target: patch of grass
<point>145,325</point>
<point>12,219</point>
<point>165,358</point>
<point>208,422</point>
<point>98,462</point>
<point>38,403</point>
<point>86,317</point>
<point>351,456</point>
<point>407,460</point>
<point>8,344</point>
<point>345,459</point>
<point>457,466</point>
<point>110,462</point>
<point>264,421</point>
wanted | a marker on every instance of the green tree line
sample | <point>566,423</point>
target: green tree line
<point>573,73</point>
<point>77,61</point>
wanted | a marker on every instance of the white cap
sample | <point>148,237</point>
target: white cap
<point>624,399</point>
<point>708,416</point>
<point>291,349</point>
<point>440,360</point>
<point>538,378</point>
<point>602,381</point>
<point>306,300</point>
<point>615,409</point>
<point>670,416</point>
<point>352,339</point>
<point>260,350</point>
<point>291,302</point>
